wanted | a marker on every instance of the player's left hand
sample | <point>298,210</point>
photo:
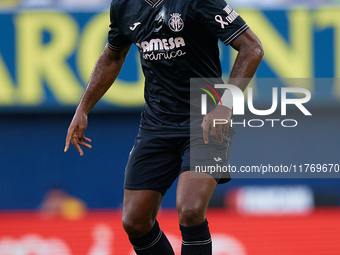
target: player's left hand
<point>219,131</point>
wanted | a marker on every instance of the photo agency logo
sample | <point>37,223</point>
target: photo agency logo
<point>234,98</point>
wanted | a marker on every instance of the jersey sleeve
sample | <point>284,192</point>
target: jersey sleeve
<point>116,40</point>
<point>220,19</point>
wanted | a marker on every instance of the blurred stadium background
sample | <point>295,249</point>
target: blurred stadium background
<point>47,51</point>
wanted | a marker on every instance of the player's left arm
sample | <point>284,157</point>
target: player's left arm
<point>250,53</point>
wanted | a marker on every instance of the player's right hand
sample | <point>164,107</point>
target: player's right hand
<point>75,133</point>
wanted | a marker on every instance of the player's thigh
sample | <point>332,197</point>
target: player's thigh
<point>154,163</point>
<point>140,208</point>
<point>196,185</point>
<point>194,191</point>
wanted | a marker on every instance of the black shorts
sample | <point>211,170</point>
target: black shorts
<point>155,162</point>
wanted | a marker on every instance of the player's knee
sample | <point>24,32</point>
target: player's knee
<point>191,215</point>
<point>136,228</point>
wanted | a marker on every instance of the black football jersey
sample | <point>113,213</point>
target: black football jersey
<point>177,40</point>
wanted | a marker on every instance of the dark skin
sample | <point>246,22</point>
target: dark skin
<point>140,207</point>
<point>104,74</point>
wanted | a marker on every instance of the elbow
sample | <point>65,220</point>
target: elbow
<point>259,50</point>
<point>252,50</point>
<point>256,49</point>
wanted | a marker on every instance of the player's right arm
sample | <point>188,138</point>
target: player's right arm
<point>104,74</point>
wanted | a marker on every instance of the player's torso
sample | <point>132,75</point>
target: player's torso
<point>156,27</point>
<point>174,47</point>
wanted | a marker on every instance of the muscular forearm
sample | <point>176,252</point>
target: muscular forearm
<point>249,56</point>
<point>104,74</point>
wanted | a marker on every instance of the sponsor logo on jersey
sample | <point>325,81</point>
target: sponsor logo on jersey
<point>176,23</point>
<point>217,159</point>
<point>162,44</point>
<point>170,47</point>
<point>134,26</point>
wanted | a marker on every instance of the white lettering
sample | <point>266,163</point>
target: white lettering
<point>232,16</point>
<point>171,42</point>
<point>227,9</point>
<point>145,46</point>
<point>297,101</point>
<point>156,44</point>
<point>165,44</point>
<point>163,55</point>
<point>255,120</point>
<point>220,122</point>
<point>160,44</point>
<point>179,42</point>
<point>291,120</point>
<point>262,112</point>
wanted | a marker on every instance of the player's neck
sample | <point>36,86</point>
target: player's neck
<point>153,0</point>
